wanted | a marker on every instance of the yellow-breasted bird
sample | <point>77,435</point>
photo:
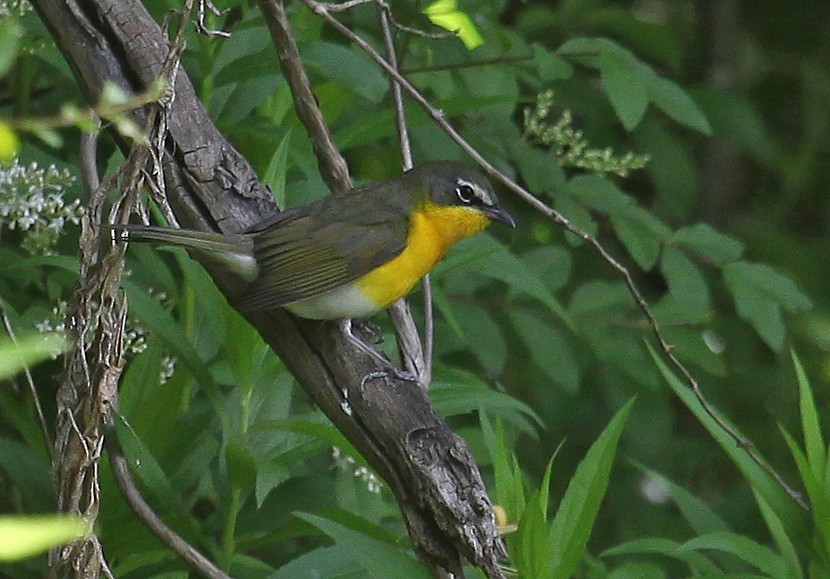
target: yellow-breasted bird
<point>351,254</point>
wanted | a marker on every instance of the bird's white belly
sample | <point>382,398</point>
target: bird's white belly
<point>342,302</point>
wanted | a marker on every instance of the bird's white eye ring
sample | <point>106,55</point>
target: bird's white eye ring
<point>465,193</point>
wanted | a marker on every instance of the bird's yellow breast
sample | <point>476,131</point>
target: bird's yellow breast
<point>432,231</point>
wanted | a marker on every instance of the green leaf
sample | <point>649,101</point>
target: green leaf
<point>672,167</point>
<point>275,173</point>
<point>10,34</point>
<point>510,490</point>
<point>700,516</point>
<point>348,66</point>
<point>548,349</point>
<point>757,555</point>
<point>322,562</point>
<point>455,392</point>
<point>549,65</point>
<point>159,320</point>
<point>24,536</point>
<point>817,491</point>
<point>596,298</point>
<point>445,13</point>
<point>688,291</point>
<point>483,336</point>
<point>708,243</point>
<point>27,351</point>
<point>9,143</point>
<point>792,564</point>
<point>242,466</point>
<point>571,527</point>
<point>698,562</point>
<point>623,77</point>
<point>759,293</point>
<point>810,423</point>
<point>381,560</point>
<point>643,247</point>
<point>676,102</point>
<point>641,232</point>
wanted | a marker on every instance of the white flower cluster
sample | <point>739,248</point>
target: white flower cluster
<point>31,200</point>
<point>345,462</point>
<point>135,337</point>
<point>14,8</point>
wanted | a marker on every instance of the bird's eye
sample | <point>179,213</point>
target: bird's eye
<point>465,193</point>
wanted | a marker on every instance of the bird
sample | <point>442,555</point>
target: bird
<point>351,254</point>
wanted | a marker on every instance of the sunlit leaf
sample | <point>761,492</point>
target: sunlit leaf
<point>24,536</point>
<point>445,13</point>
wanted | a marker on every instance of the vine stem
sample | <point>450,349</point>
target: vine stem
<point>323,11</point>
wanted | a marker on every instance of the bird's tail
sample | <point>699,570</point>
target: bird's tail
<point>234,250</point>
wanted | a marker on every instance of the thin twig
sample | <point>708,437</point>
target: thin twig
<point>7,323</point>
<point>144,512</point>
<point>438,116</point>
<point>465,65</point>
<point>333,168</point>
<point>204,6</point>
<point>413,356</point>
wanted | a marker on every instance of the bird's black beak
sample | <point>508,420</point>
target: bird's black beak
<point>496,213</point>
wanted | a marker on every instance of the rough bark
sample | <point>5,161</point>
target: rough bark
<point>211,186</point>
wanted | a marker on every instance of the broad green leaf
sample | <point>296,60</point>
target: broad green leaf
<point>640,231</point>
<point>640,242</point>
<point>26,535</point>
<point>578,215</point>
<point>624,79</point>
<point>548,349</point>
<point>381,560</point>
<point>445,13</point>
<point>146,468</point>
<point>242,467</point>
<point>348,66</point>
<point>595,298</point>
<point>549,65</point>
<point>676,102</point>
<point>759,293</point>
<point>708,243</point>
<point>672,167</point>
<point>735,118</point>
<point>487,257</point>
<point>688,291</point>
<point>27,351</point>
<point>757,555</point>
<point>571,527</point>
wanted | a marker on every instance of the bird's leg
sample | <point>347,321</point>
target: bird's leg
<point>369,350</point>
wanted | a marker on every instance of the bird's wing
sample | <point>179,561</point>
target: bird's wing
<point>308,253</point>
